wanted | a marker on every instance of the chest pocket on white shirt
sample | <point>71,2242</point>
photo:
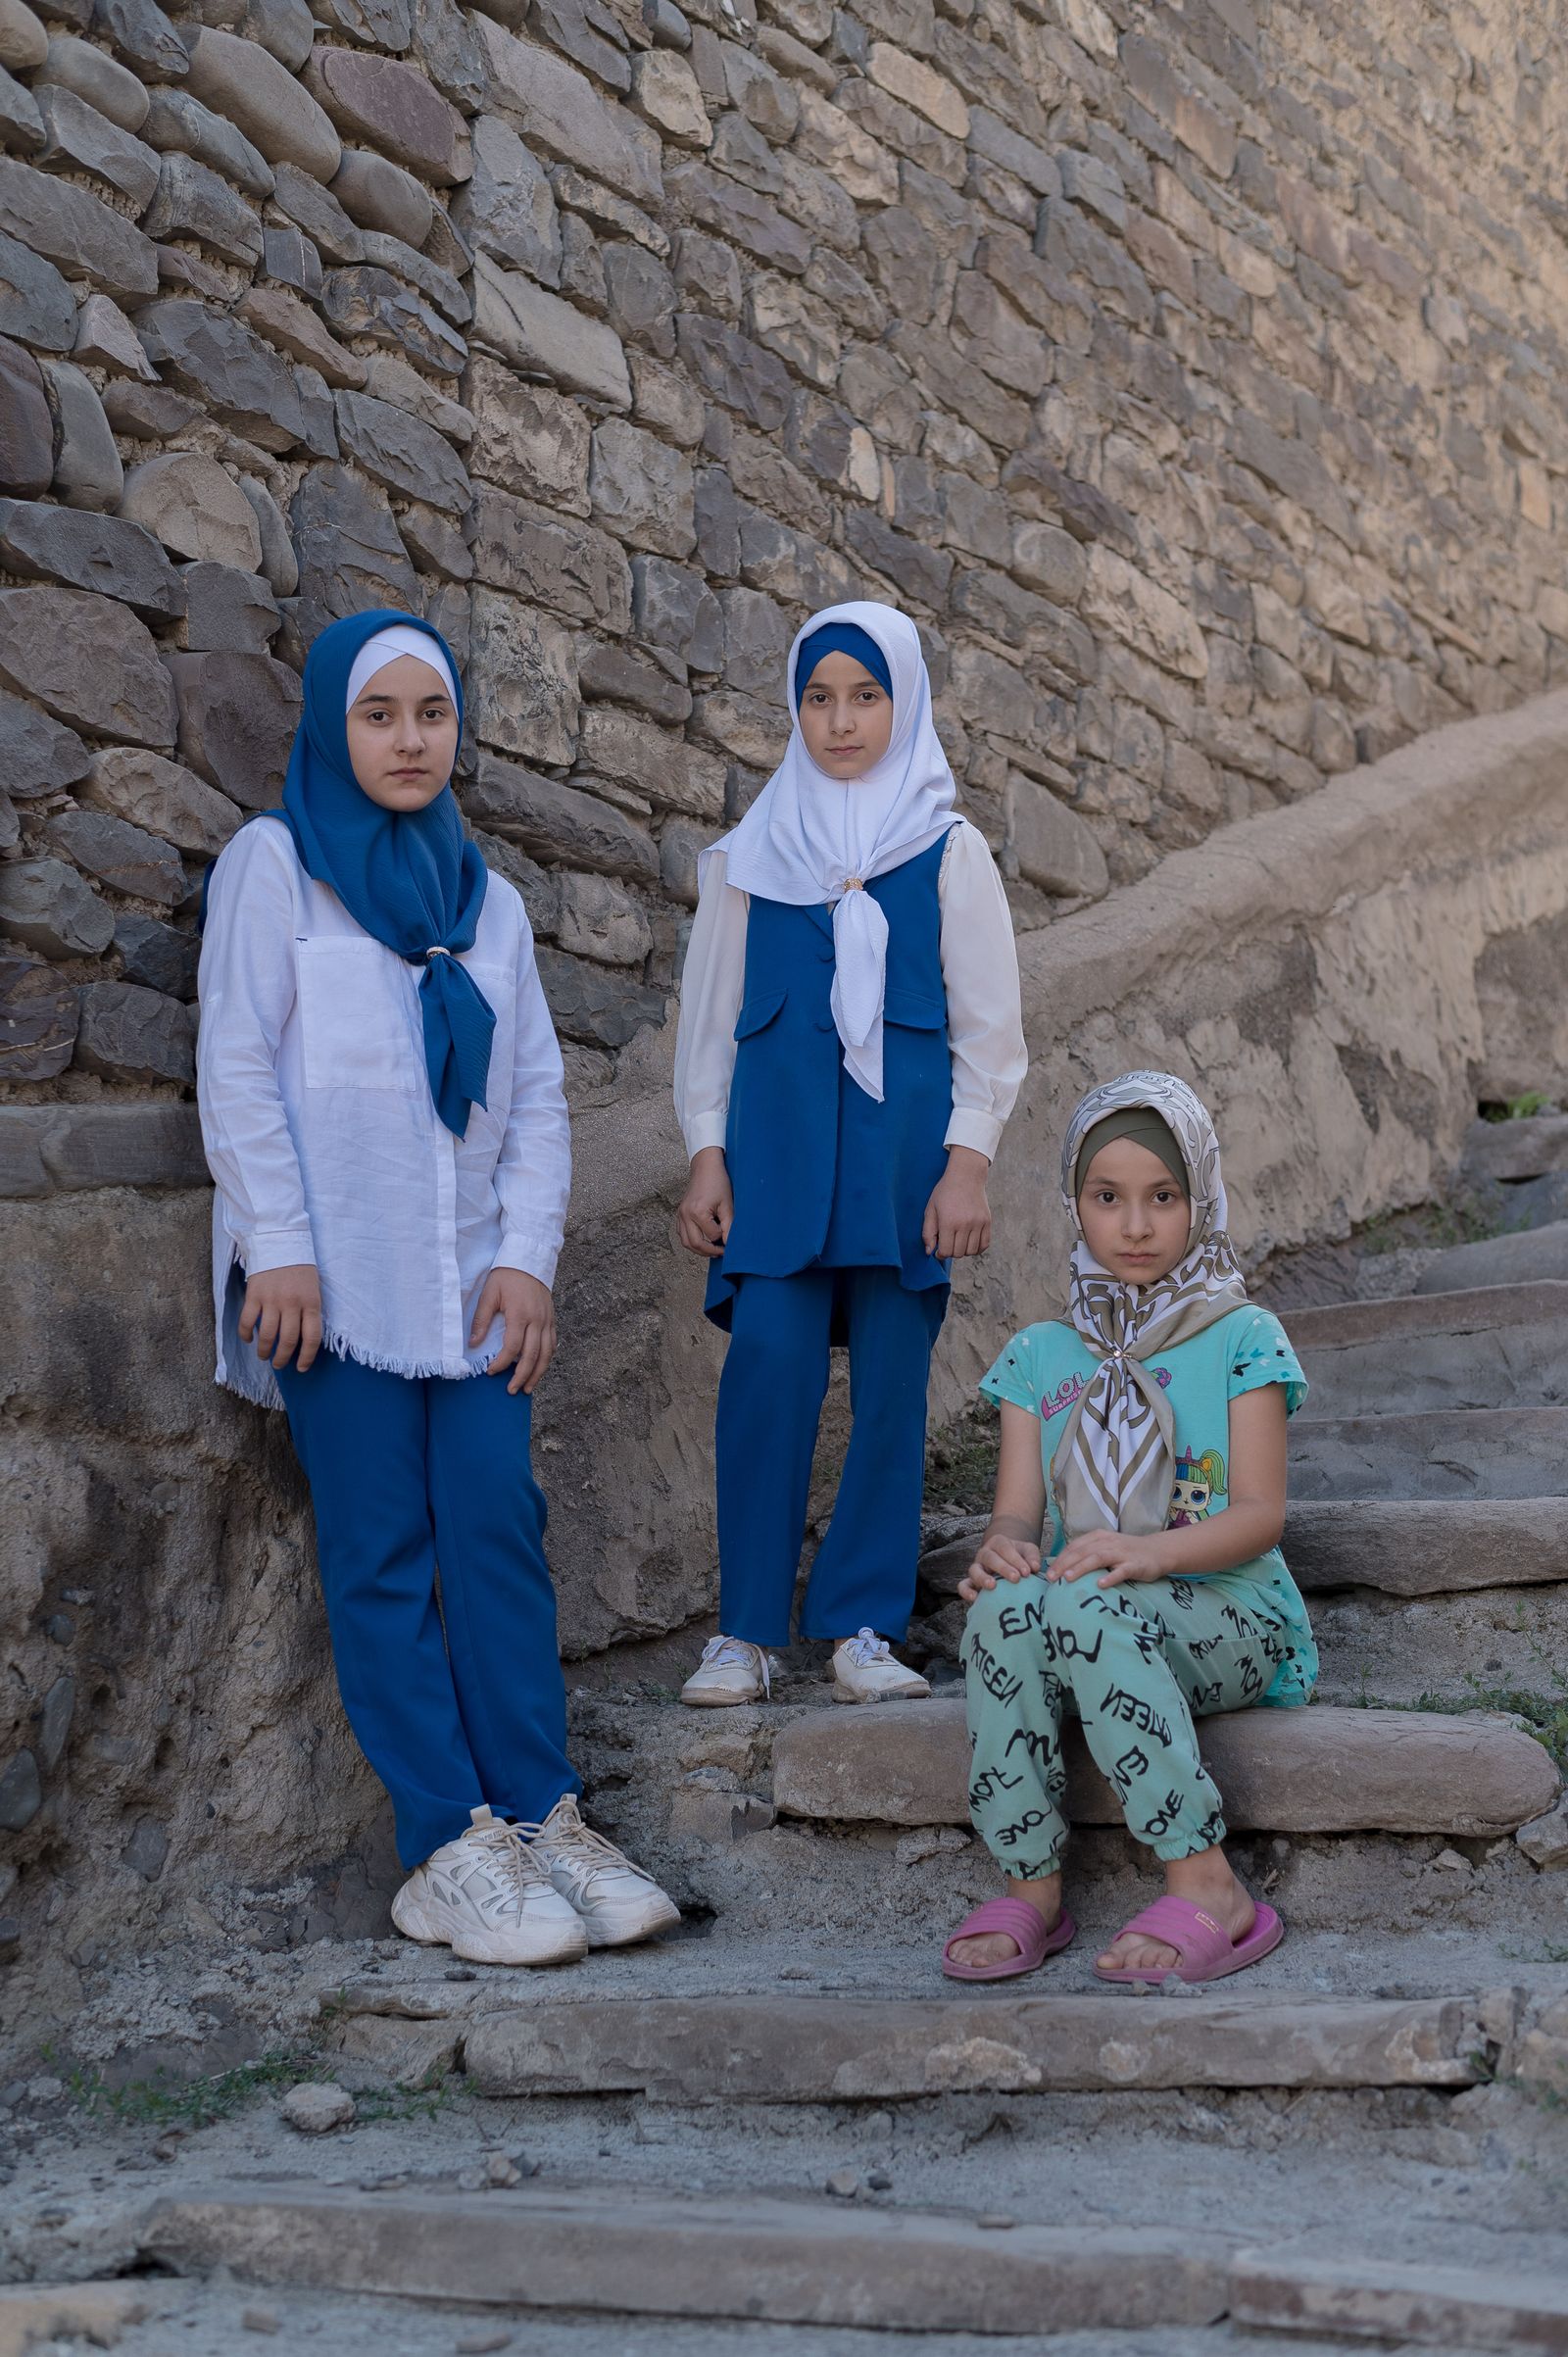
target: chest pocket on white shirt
<point>360,1017</point>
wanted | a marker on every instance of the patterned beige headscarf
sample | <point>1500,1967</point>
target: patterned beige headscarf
<point>1116,1464</point>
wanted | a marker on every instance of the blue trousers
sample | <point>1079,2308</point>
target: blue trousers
<point>453,1704</point>
<point>769,1404</point>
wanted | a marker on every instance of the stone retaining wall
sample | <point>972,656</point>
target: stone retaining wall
<point>1191,374</point>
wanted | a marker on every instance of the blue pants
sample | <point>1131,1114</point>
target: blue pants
<point>457,1704</point>
<point>770,1403</point>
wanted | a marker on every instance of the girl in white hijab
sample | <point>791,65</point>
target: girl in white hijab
<point>849,1047</point>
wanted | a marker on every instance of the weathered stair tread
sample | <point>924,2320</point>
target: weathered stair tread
<point>1436,2307</point>
<point>1465,1453</point>
<point>1427,1545</point>
<point>831,2049</point>
<point>620,2251</point>
<point>1528,1257</point>
<point>1318,1770</point>
<point>1492,1347</point>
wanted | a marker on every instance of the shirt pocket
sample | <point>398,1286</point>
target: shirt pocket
<point>759,1013</point>
<point>360,1022</point>
<point>913,1013</point>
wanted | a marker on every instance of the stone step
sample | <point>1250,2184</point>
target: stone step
<point>1319,1770</point>
<point>1511,1151</point>
<point>1375,1647</point>
<point>768,2049</point>
<point>1365,2300</point>
<point>615,2250</point>
<point>1515,1453</point>
<point>1491,1347</point>
<point>1525,1258</point>
<point>1427,1545</point>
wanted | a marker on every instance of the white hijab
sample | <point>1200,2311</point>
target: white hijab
<point>812,840</point>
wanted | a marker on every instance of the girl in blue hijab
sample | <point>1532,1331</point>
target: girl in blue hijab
<point>381,1102</point>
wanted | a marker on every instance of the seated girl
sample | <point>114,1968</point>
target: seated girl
<point>1150,1422</point>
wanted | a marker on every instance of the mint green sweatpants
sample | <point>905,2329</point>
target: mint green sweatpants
<point>1136,1664</point>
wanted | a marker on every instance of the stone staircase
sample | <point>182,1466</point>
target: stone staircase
<point>821,1854</point>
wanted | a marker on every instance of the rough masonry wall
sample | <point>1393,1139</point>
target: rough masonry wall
<point>1189,373</point>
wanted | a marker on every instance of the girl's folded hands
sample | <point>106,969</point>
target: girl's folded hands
<point>1118,1555</point>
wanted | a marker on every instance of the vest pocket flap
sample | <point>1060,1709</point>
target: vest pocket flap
<point>757,1013</point>
<point>914,1013</point>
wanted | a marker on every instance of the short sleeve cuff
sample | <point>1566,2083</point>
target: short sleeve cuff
<point>1264,1356</point>
<point>981,1131</point>
<point>703,1130</point>
<point>276,1248</point>
<point>1010,1382</point>
<point>530,1252</point>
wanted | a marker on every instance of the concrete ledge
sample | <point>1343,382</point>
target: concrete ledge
<point>623,2252</point>
<point>49,1149</point>
<point>1321,1770</point>
<point>1436,2307</point>
<point>1427,1547</point>
<point>833,2049</point>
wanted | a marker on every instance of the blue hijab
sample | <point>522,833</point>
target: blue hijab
<point>410,878</point>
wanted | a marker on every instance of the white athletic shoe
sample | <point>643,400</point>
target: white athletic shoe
<point>864,1670</point>
<point>487,1899</point>
<point>730,1671</point>
<point>617,1901</point>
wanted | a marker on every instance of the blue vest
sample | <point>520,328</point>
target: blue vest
<point>824,1177</point>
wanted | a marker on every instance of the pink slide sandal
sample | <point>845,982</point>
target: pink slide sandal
<point>1019,1920</point>
<point>1206,1950</point>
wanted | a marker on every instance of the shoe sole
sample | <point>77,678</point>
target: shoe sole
<point>718,1702</point>
<point>644,1925</point>
<point>412,1920</point>
<point>907,1693</point>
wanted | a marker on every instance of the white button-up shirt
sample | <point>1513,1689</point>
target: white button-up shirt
<point>979,973</point>
<point>323,1138</point>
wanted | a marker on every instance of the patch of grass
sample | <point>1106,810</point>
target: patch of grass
<point>1520,1108</point>
<point>1545,1716</point>
<point>960,1467</point>
<point>422,2102</point>
<point>164,2102</point>
<point>1434,1227</point>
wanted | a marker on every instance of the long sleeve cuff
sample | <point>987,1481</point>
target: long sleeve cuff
<point>531,1252</point>
<point>981,1131</point>
<point>704,1129</point>
<point>276,1248</point>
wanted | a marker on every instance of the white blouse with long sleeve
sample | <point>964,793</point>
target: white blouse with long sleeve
<point>979,969</point>
<point>323,1135</point>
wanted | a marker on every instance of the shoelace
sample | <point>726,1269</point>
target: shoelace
<point>727,1649</point>
<point>508,1857</point>
<point>865,1649</point>
<point>570,1838</point>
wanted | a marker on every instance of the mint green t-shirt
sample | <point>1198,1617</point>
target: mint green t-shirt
<point>1046,1367</point>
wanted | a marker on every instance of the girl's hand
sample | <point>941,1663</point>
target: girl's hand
<point>957,1218</point>
<point>998,1560</point>
<point>707,1211</point>
<point>1116,1555</point>
<point>528,1328</point>
<point>282,1311</point>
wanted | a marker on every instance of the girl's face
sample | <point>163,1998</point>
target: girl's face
<point>1135,1216</point>
<point>846,718</point>
<point>403,735</point>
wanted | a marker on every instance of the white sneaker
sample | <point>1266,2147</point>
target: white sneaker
<point>864,1670</point>
<point>616,1901</point>
<point>487,1899</point>
<point>730,1671</point>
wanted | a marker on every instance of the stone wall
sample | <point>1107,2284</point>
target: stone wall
<point>1190,372</point>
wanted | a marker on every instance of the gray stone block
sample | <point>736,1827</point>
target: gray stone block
<point>508,209</point>
<point>279,564</point>
<point>402,452</point>
<point>601,1008</point>
<point>22,125</point>
<point>539,887</point>
<point>365,301</point>
<point>317,210</point>
<point>103,553</point>
<point>35,303</point>
<point>539,333</point>
<point>735,372</point>
<point>451,53</point>
<point>78,233</point>
<point>26,425</point>
<point>1524,1258</point>
<point>237,717</point>
<point>44,1148</point>
<point>671,773</point>
<point>158,956</point>
<point>616,672</point>
<point>124,856</point>
<point>381,195</point>
<point>1370,2298</point>
<point>289,257</point>
<point>106,340</point>
<point>673,606</point>
<point>1471,1452</point>
<point>560,113</point>
<point>440,287</point>
<point>557,822</point>
<point>112,91</point>
<point>87,661</point>
<point>147,412</point>
<point>195,508</point>
<point>222,363</point>
<point>527,438</point>
<point>1498,1345</point>
<point>38,1017</point>
<point>600,919</point>
<point>142,38</point>
<point>435,543</point>
<point>572,568</point>
<point>244,82</point>
<point>46,907</point>
<point>87,470</point>
<point>37,756</point>
<point>23,42</point>
<point>227,612</point>
<point>1054,847</point>
<point>522,695</point>
<point>77,138</point>
<point>392,108</point>
<point>20,1792</point>
<point>128,1033</point>
<point>642,490</point>
<point>350,555</point>
<point>192,201</point>
<point>1427,1547</point>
